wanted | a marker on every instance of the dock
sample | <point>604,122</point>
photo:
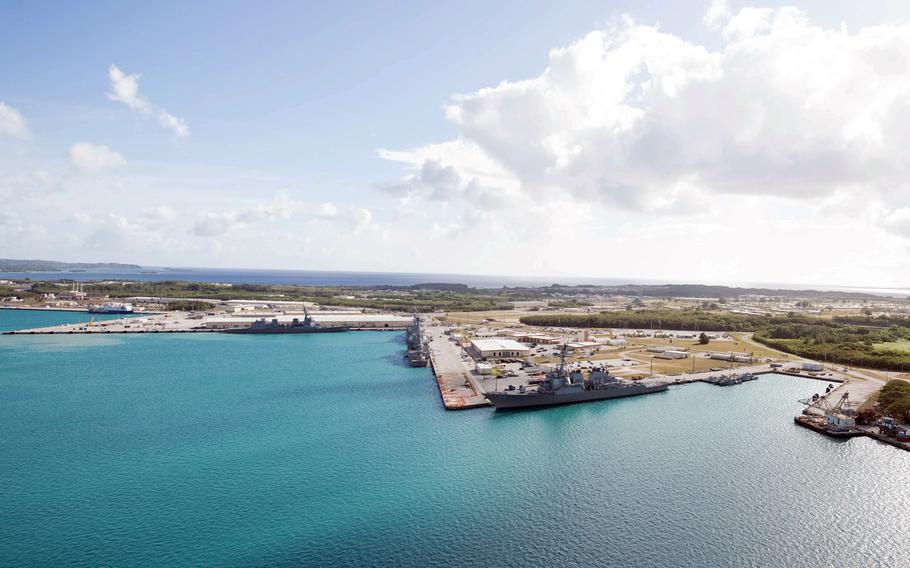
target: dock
<point>457,386</point>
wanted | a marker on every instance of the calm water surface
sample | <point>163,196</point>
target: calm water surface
<point>24,319</point>
<point>325,450</point>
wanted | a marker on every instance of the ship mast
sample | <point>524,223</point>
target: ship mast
<point>561,368</point>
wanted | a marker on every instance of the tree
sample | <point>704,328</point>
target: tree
<point>703,338</point>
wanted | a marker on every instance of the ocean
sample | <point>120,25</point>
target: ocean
<point>328,450</point>
<point>343,278</point>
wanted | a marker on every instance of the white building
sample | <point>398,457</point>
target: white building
<point>812,367</point>
<point>671,354</point>
<point>498,349</point>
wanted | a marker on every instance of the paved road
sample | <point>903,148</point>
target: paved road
<point>457,386</point>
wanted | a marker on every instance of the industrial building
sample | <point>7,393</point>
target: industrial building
<point>498,349</point>
<point>538,338</point>
<point>672,354</point>
<point>812,367</point>
<point>733,357</point>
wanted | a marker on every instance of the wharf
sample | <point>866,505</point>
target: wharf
<point>457,387</point>
<point>817,424</point>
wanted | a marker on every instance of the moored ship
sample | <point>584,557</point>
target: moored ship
<point>418,351</point>
<point>562,387</point>
<point>265,326</point>
<point>112,308</point>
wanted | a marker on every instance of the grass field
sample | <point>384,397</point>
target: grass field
<point>893,347</point>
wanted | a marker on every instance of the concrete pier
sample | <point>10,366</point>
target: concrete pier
<point>457,386</point>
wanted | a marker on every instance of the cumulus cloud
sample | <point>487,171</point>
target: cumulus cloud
<point>361,220</point>
<point>641,119</point>
<point>216,223</point>
<point>12,123</point>
<point>717,14</point>
<point>160,215</point>
<point>94,158</point>
<point>898,221</point>
<point>327,210</point>
<point>125,89</point>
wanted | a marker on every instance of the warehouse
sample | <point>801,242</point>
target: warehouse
<point>498,349</point>
<point>671,354</point>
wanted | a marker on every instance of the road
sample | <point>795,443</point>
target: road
<point>457,385</point>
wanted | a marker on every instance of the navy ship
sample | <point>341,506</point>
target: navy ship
<point>562,387</point>
<point>294,326</point>
<point>418,351</point>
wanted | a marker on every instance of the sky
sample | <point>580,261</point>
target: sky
<point>706,141</point>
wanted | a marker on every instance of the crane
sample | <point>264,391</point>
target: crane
<point>824,405</point>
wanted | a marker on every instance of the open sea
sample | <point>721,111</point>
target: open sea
<point>347,278</point>
<point>327,450</point>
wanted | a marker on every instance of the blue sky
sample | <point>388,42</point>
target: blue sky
<point>333,136</point>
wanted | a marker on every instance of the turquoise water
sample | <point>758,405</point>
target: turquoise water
<point>325,450</point>
<point>25,319</point>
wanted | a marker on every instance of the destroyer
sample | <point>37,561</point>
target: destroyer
<point>562,387</point>
<point>418,354</point>
<point>295,326</point>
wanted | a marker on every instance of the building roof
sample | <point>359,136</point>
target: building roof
<point>498,345</point>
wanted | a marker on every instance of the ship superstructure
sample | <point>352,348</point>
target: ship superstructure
<point>418,354</point>
<point>561,386</point>
<point>265,326</point>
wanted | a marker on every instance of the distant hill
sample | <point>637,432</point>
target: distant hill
<point>707,291</point>
<point>13,265</point>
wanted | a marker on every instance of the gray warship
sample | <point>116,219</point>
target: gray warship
<point>563,387</point>
<point>295,326</point>
<point>418,354</point>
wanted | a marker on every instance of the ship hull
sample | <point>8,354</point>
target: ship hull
<point>273,331</point>
<point>505,401</point>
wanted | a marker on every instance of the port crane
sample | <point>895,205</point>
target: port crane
<point>822,404</point>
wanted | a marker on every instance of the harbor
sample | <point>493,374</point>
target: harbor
<point>472,371</point>
<point>212,423</point>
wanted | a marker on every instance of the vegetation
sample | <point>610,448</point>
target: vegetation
<point>421,298</point>
<point>862,345</point>
<point>191,306</point>
<point>894,399</point>
<point>828,341</point>
<point>568,303</point>
<point>696,320</point>
<point>703,338</point>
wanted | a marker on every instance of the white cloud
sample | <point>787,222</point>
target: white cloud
<point>898,221</point>
<point>125,89</point>
<point>361,220</point>
<point>327,210</point>
<point>215,223</point>
<point>717,14</point>
<point>12,123</point>
<point>94,158</point>
<point>641,119</point>
<point>160,215</point>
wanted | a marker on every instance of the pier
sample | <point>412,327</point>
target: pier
<point>458,388</point>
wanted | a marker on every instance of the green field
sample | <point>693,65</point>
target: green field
<point>902,346</point>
